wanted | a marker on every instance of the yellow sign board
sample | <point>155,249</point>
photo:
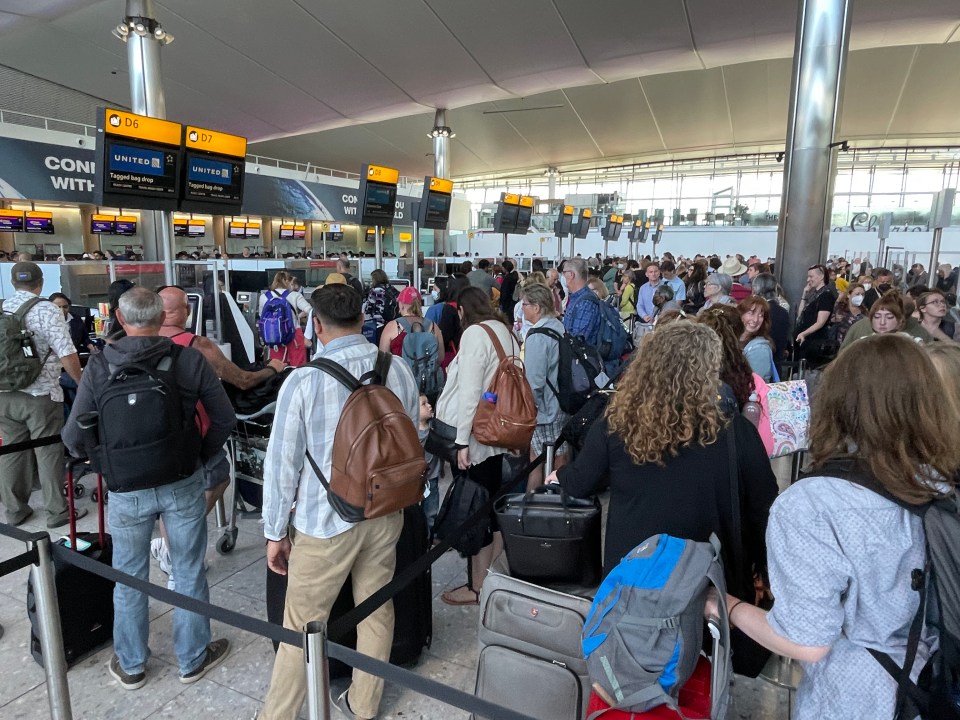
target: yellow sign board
<point>40,215</point>
<point>11,213</point>
<point>441,185</point>
<point>286,226</point>
<point>511,199</point>
<point>133,218</point>
<point>102,218</point>
<point>141,127</point>
<point>216,142</point>
<point>568,209</point>
<point>300,226</point>
<point>381,174</point>
<point>526,200</point>
<point>406,237</point>
<point>588,213</point>
<point>251,225</point>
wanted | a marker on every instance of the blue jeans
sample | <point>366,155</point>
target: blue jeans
<point>132,517</point>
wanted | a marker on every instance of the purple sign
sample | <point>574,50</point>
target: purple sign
<point>40,225</point>
<point>103,227</point>
<point>125,227</point>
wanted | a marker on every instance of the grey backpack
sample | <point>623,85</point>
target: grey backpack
<point>421,351</point>
<point>19,363</point>
<point>643,636</point>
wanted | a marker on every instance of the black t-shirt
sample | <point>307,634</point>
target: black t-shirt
<point>823,302</point>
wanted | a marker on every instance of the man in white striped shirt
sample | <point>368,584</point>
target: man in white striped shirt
<point>312,545</point>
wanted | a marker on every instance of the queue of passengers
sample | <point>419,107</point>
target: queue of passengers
<point>662,449</point>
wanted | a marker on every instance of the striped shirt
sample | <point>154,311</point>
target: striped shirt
<point>308,410</point>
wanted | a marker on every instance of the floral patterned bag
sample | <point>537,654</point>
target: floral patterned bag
<point>787,406</point>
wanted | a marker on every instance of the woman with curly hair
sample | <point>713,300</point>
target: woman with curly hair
<point>736,376</point>
<point>663,449</point>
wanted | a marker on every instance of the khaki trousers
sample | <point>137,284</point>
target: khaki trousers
<point>316,572</point>
<point>28,417</point>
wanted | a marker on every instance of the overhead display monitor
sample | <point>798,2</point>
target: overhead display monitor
<point>562,227</point>
<point>103,224</point>
<point>611,231</point>
<point>237,230</point>
<point>196,228</point>
<point>638,231</point>
<point>180,227</point>
<point>138,161</point>
<point>299,231</point>
<point>583,223</point>
<point>377,195</point>
<point>213,171</point>
<point>11,220</point>
<point>508,210</point>
<point>286,231</point>
<point>39,222</point>
<point>525,213</point>
<point>435,203</point>
<point>126,225</point>
<point>252,229</point>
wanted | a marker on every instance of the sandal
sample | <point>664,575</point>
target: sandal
<point>448,598</point>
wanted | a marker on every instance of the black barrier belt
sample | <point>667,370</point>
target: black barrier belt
<point>21,535</point>
<point>30,557</point>
<point>278,633</point>
<point>343,625</point>
<point>29,444</point>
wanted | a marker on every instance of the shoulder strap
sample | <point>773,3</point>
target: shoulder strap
<point>284,294</point>
<point>545,331</point>
<point>336,371</point>
<point>378,376</point>
<point>496,342</point>
<point>736,556</point>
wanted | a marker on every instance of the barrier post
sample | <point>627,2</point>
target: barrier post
<point>318,670</point>
<point>51,637</point>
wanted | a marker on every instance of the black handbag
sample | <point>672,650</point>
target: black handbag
<point>575,430</point>
<point>464,497</point>
<point>551,536</point>
<point>442,441</point>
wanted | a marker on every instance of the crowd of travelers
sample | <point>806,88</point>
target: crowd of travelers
<point>678,347</point>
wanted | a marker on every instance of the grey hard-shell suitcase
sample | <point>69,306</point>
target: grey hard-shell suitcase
<point>530,638</point>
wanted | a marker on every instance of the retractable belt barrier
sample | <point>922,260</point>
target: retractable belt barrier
<point>29,444</point>
<point>278,633</point>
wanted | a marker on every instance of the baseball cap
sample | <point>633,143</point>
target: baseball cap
<point>408,295</point>
<point>26,272</point>
<point>335,279</point>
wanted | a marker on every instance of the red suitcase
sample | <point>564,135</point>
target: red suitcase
<point>694,699</point>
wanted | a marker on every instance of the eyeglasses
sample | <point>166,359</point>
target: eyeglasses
<point>939,301</point>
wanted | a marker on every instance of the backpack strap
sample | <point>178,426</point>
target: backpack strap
<point>21,312</point>
<point>556,336</point>
<point>497,345</point>
<point>337,372</point>
<point>736,555</point>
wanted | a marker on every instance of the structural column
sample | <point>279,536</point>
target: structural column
<point>819,64</point>
<point>441,135</point>
<point>144,37</point>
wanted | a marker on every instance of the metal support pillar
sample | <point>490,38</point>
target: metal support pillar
<point>441,135</point>
<point>820,58</point>
<point>377,248</point>
<point>503,251</point>
<point>415,254</point>
<point>144,37</point>
<point>572,245</point>
<point>318,670</point>
<point>51,636</point>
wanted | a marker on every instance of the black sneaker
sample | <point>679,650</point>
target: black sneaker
<point>55,521</point>
<point>126,680</point>
<point>216,652</point>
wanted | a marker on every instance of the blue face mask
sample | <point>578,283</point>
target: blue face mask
<point>435,294</point>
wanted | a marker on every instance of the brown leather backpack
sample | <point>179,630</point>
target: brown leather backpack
<point>510,421</point>
<point>378,464</point>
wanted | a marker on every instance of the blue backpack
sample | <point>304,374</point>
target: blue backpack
<point>613,339</point>
<point>643,636</point>
<point>277,324</point>
<point>422,353</point>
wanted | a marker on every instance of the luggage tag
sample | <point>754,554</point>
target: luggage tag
<point>602,380</point>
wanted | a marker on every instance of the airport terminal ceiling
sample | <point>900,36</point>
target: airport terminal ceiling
<point>528,85</point>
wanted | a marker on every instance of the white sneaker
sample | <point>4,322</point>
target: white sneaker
<point>158,549</point>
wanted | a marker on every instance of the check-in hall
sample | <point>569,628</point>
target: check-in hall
<point>420,359</point>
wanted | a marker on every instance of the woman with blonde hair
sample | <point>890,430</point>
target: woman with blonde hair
<point>841,555</point>
<point>663,448</point>
<point>520,323</point>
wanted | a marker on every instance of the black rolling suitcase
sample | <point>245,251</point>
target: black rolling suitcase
<point>85,600</point>
<point>412,606</point>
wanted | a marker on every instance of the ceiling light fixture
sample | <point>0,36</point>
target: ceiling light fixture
<point>441,131</point>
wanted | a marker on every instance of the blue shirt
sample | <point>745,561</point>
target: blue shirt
<point>679,289</point>
<point>582,318</point>
<point>645,307</point>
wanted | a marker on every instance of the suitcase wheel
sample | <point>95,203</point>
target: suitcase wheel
<point>94,494</point>
<point>78,490</point>
<point>227,542</point>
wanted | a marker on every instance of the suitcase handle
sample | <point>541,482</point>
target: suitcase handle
<point>527,500</point>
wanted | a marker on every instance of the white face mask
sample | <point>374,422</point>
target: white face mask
<point>856,300</point>
<point>435,295</point>
<point>867,286</point>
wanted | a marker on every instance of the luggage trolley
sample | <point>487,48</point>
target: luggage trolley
<point>246,450</point>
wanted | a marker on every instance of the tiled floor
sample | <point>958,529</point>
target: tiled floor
<point>235,689</point>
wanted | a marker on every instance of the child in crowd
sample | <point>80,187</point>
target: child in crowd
<point>431,495</point>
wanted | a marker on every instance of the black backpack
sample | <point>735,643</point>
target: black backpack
<point>580,372</point>
<point>20,365</point>
<point>934,694</point>
<point>141,436</point>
